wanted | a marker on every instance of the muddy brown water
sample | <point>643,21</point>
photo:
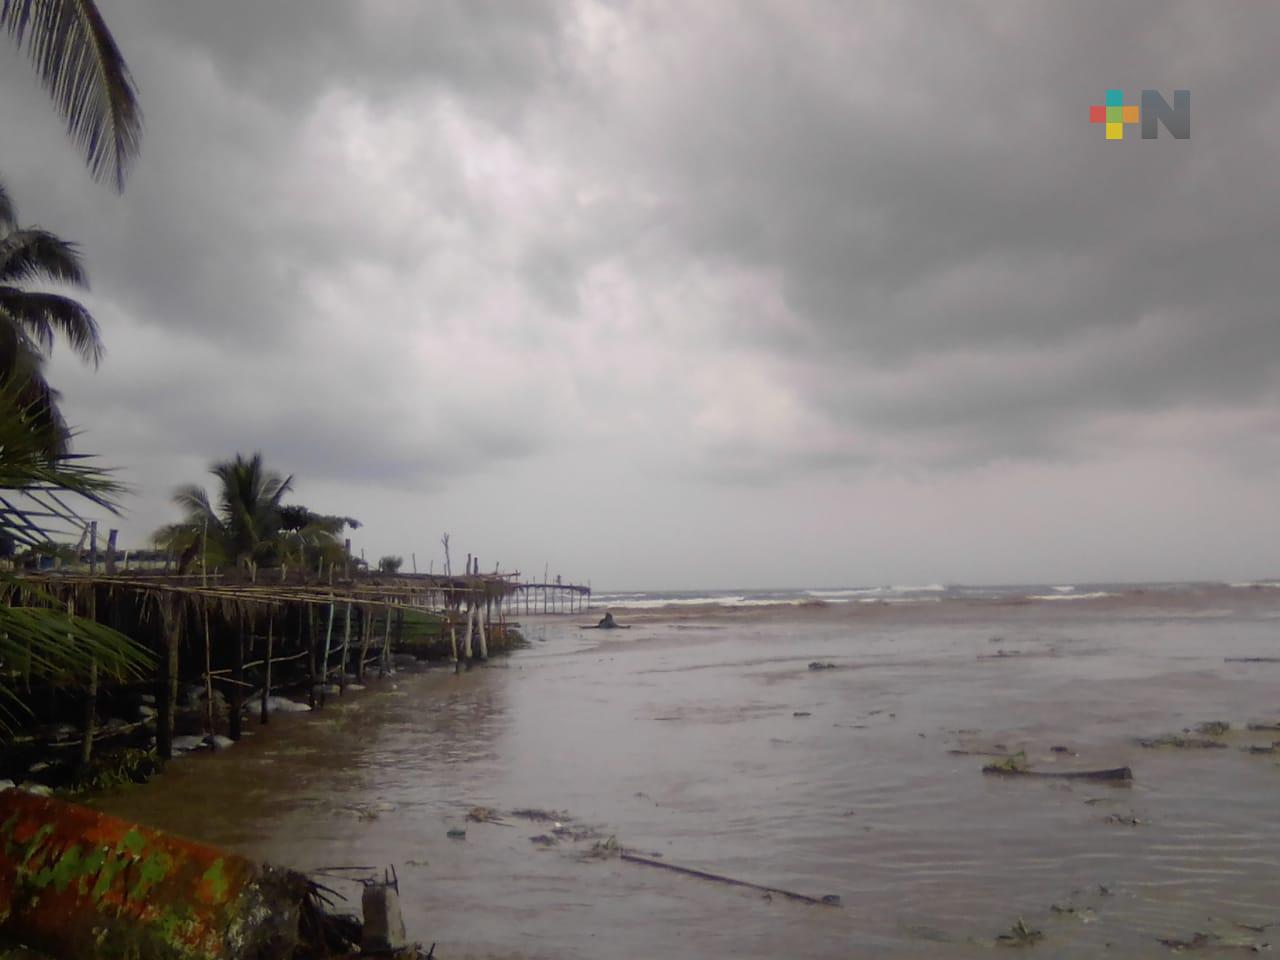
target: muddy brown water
<point>702,736</point>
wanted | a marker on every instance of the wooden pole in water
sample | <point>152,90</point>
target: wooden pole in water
<point>167,675</point>
<point>324,668</point>
<point>91,700</point>
<point>346,641</point>
<point>266,686</point>
<point>237,685</point>
<point>311,652</point>
<point>208,670</point>
<point>366,634</point>
<point>111,551</point>
<point>484,646</point>
<point>386,644</point>
<point>466,635</point>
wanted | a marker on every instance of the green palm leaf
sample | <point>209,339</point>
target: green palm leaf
<point>83,70</point>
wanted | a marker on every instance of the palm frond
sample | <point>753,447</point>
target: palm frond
<point>37,488</point>
<point>31,253</point>
<point>83,70</point>
<point>38,640</point>
<point>42,316</point>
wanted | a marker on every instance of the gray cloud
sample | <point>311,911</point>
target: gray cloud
<point>408,246</point>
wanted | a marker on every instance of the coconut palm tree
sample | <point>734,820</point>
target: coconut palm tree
<point>249,526</point>
<point>243,528</point>
<point>31,320</point>
<point>83,70</point>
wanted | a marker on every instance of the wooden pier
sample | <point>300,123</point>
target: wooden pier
<point>547,598</point>
<point>237,641</point>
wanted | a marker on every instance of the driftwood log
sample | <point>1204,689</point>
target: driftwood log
<point>827,901</point>
<point>1115,774</point>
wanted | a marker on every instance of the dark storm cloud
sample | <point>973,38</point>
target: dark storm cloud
<point>923,181</point>
<point>756,240</point>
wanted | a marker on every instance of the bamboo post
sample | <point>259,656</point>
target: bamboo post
<point>366,634</point>
<point>453,637</point>
<point>237,686</point>
<point>167,676</point>
<point>346,641</point>
<point>466,635</point>
<point>266,686</point>
<point>208,670</point>
<point>484,646</point>
<point>311,652</point>
<point>324,662</point>
<point>111,550</point>
<point>91,700</point>
<point>386,644</point>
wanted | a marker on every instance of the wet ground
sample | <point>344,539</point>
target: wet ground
<point>703,736</point>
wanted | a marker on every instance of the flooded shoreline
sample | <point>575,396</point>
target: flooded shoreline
<point>703,736</point>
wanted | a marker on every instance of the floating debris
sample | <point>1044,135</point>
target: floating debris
<point>1214,728</point>
<point>819,665</point>
<point>1124,821</point>
<point>830,900</point>
<point>1201,941</point>
<point>1020,935</point>
<point>1273,748</point>
<point>605,849</point>
<point>1016,766</point>
<point>543,840</point>
<point>1181,743</point>
<point>542,816</point>
<point>484,815</point>
<point>1264,726</point>
<point>456,833</point>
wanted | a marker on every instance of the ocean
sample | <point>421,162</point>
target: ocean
<point>827,742</point>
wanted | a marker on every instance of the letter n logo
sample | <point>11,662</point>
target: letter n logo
<point>1156,110</point>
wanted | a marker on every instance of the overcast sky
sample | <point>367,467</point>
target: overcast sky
<point>671,294</point>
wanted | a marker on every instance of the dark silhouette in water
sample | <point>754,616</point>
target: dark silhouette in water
<point>606,622</point>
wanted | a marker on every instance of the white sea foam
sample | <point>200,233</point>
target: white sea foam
<point>1072,596</point>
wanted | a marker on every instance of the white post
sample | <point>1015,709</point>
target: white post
<point>484,647</point>
<point>466,634</point>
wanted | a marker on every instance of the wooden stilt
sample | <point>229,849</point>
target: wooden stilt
<point>386,644</point>
<point>91,699</point>
<point>324,662</point>
<point>236,700</point>
<point>208,673</point>
<point>346,643</point>
<point>484,646</point>
<point>266,684</point>
<point>466,635</point>
<point>167,676</point>
<point>366,634</point>
<point>311,654</point>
